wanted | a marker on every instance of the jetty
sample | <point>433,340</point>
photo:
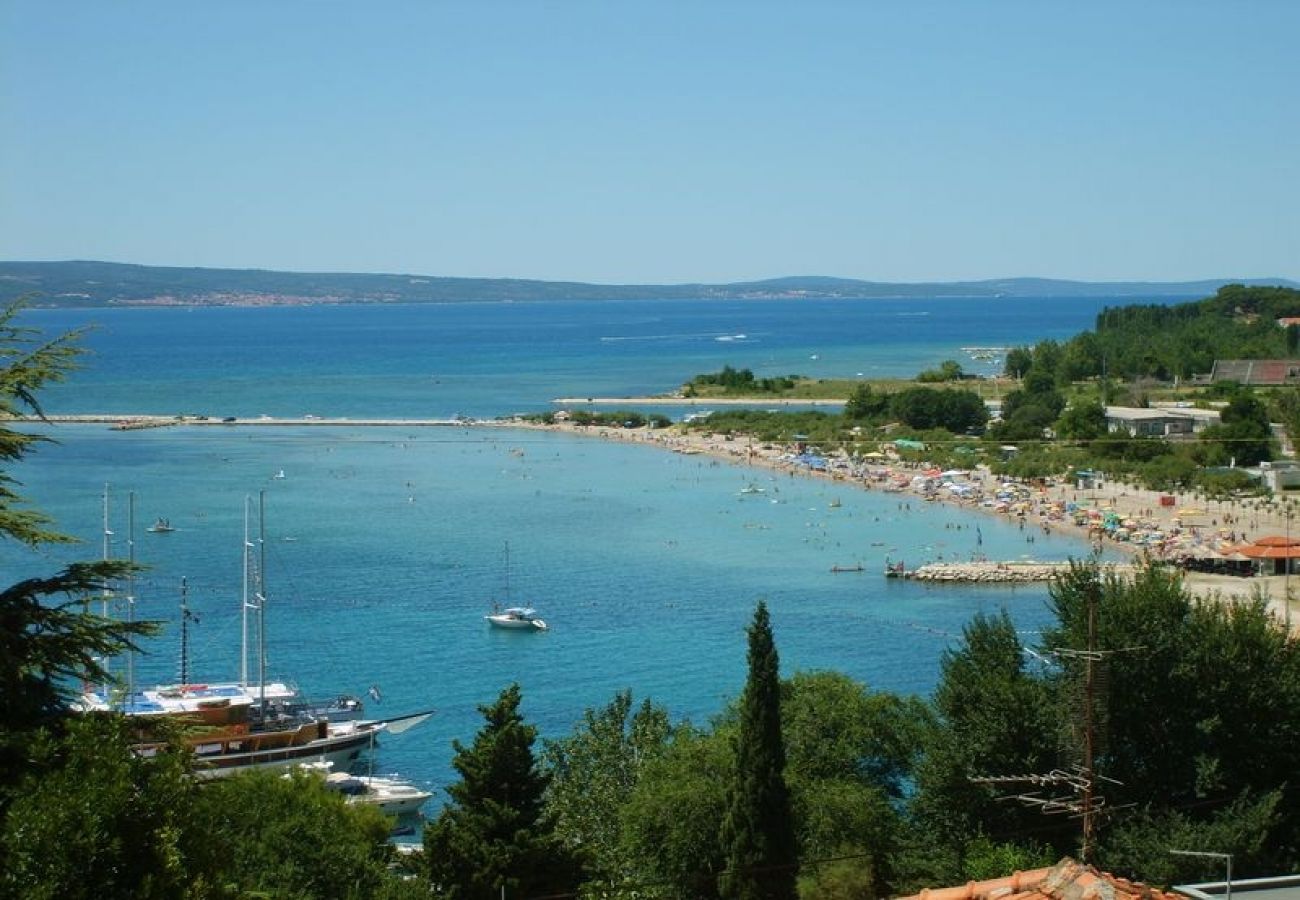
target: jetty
<point>1018,572</point>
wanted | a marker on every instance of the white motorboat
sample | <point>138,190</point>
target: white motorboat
<point>390,795</point>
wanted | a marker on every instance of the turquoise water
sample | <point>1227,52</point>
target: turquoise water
<point>386,546</point>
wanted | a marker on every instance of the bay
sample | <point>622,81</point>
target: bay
<point>386,546</point>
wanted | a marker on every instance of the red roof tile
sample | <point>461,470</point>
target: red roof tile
<point>1067,880</point>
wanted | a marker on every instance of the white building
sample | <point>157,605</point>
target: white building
<point>1167,422</point>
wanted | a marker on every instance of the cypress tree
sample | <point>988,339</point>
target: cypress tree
<point>758,832</point>
<point>495,833</point>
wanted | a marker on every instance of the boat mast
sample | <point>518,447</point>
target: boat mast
<point>130,593</point>
<point>106,591</point>
<point>245,605</point>
<point>261,601</point>
<point>184,673</point>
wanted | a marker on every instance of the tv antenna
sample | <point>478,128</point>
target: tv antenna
<point>1081,798</point>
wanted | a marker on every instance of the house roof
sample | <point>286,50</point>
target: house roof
<point>1271,547</point>
<point>1067,880</point>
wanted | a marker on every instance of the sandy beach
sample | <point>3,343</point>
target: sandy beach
<point>1149,524</point>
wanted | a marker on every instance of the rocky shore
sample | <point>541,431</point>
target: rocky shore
<point>996,572</point>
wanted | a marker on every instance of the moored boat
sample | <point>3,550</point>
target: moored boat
<point>521,617</point>
<point>391,796</point>
<point>251,723</point>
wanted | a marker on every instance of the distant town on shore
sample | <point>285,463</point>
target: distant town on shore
<point>105,284</point>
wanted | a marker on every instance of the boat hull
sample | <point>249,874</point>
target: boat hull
<point>514,624</point>
<point>216,756</point>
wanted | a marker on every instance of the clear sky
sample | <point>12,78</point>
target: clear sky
<point>657,141</point>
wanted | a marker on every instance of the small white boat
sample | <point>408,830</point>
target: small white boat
<point>279,474</point>
<point>521,617</point>
<point>161,526</point>
<point>752,488</point>
<point>391,796</point>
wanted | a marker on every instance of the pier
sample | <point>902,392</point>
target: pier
<point>1022,572</point>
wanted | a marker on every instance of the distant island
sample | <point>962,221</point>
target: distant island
<point>104,284</point>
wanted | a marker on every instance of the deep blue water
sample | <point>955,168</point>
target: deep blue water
<point>483,359</point>
<point>386,546</point>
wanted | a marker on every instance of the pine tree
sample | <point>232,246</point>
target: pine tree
<point>48,643</point>
<point>495,833</point>
<point>758,832</point>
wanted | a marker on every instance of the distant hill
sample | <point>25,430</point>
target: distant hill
<point>96,284</point>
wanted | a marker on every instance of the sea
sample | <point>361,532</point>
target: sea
<point>385,547</point>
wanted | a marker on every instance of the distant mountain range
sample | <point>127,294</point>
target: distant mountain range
<point>98,284</point>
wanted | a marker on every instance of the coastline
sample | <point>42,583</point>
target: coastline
<point>698,401</point>
<point>1217,524</point>
<point>1214,523</point>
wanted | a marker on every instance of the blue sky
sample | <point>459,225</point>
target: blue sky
<point>667,142</point>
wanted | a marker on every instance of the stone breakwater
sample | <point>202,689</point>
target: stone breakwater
<point>997,572</point>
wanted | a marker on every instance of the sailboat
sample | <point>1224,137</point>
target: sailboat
<point>523,618</point>
<point>251,723</point>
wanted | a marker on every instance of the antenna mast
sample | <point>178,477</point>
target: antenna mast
<point>1081,780</point>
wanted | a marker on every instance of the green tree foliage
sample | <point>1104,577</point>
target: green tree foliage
<point>92,819</point>
<point>1209,705</point>
<point>27,363</point>
<point>1243,436</point>
<point>775,426</point>
<point>594,771</point>
<point>495,832</point>
<point>949,370</point>
<point>287,835</point>
<point>1036,405</point>
<point>1163,342</point>
<point>954,410</point>
<point>1018,362</point>
<point>1082,421</point>
<point>758,831</point>
<point>1141,842</point>
<point>48,643</point>
<point>995,717</point>
<point>850,754</point>
<point>741,382</point>
<point>673,818</point>
<point>865,404</point>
